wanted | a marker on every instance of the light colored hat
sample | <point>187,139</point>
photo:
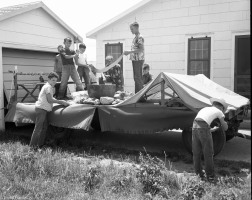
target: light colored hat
<point>221,101</point>
<point>109,57</point>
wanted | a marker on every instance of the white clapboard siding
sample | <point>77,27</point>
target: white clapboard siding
<point>35,27</point>
<point>26,61</point>
<point>166,26</point>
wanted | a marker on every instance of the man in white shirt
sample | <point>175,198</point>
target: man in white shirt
<point>202,141</point>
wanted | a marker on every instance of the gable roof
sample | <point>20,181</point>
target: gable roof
<point>93,33</point>
<point>11,11</point>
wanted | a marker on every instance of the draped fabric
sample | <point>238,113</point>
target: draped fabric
<point>130,116</point>
<point>77,116</point>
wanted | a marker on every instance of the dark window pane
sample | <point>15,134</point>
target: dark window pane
<point>199,67</point>
<point>243,56</point>
<point>205,54</point>
<point>205,44</point>
<point>193,44</point>
<point>199,54</point>
<point>199,44</point>
<point>192,54</point>
<point>199,58</point>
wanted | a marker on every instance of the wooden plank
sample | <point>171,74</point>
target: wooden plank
<point>24,69</point>
<point>8,52</point>
<point>27,61</point>
<point>34,29</point>
<point>43,19</point>
<point>28,39</point>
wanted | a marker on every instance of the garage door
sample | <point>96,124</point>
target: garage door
<point>26,61</point>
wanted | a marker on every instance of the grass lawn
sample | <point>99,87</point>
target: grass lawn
<point>76,172</point>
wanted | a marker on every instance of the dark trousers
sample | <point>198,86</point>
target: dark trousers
<point>84,72</point>
<point>137,73</point>
<point>67,71</point>
<point>202,142</point>
<point>60,75</point>
<point>40,129</point>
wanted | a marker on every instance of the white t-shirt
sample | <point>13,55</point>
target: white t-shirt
<point>82,59</point>
<point>42,102</point>
<point>208,114</point>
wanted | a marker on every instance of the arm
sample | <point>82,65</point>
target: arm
<point>223,124</point>
<point>140,49</point>
<point>50,99</point>
<point>140,45</point>
<point>69,56</point>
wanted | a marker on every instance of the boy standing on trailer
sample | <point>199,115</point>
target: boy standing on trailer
<point>202,141</point>
<point>58,63</point>
<point>68,69</point>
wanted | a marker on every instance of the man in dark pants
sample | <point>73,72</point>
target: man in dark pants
<point>202,141</point>
<point>137,56</point>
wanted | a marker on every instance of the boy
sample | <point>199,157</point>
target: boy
<point>147,77</point>
<point>58,63</point>
<point>114,75</point>
<point>137,56</point>
<point>68,69</point>
<point>202,136</point>
<point>81,61</point>
<point>44,105</point>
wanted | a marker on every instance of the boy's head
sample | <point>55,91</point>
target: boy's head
<point>82,47</point>
<point>109,59</point>
<point>52,78</point>
<point>146,69</point>
<point>60,48</point>
<point>134,27</point>
<point>219,103</point>
<point>67,42</point>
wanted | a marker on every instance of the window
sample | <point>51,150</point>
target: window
<point>199,56</point>
<point>242,73</point>
<point>115,50</point>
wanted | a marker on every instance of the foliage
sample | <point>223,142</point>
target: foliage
<point>55,174</point>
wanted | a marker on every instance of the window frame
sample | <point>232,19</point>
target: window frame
<point>209,54</point>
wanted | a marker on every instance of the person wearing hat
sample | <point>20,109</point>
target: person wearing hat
<point>68,69</point>
<point>202,141</point>
<point>114,75</point>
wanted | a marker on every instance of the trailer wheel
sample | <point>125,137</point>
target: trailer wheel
<point>229,137</point>
<point>59,132</point>
<point>219,140</point>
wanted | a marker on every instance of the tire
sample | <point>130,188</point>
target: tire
<point>219,140</point>
<point>59,132</point>
<point>229,137</point>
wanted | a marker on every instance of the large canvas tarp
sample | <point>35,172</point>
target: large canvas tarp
<point>76,116</point>
<point>194,90</point>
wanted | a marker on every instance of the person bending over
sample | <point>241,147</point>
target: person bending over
<point>43,106</point>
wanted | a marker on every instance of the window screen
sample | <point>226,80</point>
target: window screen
<point>199,56</point>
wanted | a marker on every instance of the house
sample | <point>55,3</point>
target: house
<point>184,36</point>
<point>29,36</point>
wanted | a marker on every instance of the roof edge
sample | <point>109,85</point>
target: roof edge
<point>40,4</point>
<point>92,33</point>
